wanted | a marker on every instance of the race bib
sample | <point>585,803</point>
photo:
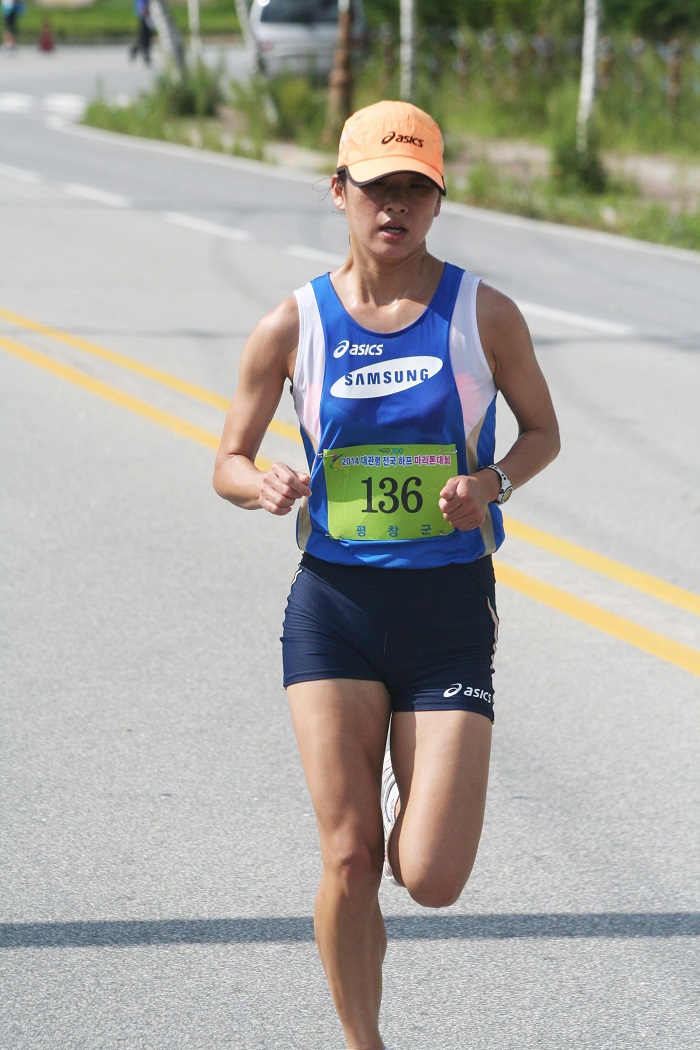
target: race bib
<point>382,492</point>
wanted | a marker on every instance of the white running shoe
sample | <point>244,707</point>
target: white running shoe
<point>389,798</point>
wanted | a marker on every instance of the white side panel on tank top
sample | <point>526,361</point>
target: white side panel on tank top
<point>310,366</point>
<point>471,370</point>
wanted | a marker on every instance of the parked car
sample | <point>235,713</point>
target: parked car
<point>299,36</point>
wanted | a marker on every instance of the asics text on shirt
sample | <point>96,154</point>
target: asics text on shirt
<point>358,349</point>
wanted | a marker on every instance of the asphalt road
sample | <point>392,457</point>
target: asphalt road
<point>159,849</point>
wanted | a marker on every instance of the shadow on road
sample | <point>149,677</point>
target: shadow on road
<point>296,929</point>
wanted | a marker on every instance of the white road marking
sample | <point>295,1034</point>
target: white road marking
<point>215,229</point>
<point>14,102</point>
<point>595,324</point>
<point>90,193</point>
<point>60,103</point>
<point>23,174</point>
<point>300,251</point>
<point>64,104</point>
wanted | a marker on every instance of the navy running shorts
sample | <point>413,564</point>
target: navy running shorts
<point>428,634</point>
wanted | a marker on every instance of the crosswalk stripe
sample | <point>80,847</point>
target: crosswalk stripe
<point>13,102</point>
<point>64,104</point>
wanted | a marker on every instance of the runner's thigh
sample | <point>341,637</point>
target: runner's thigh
<point>341,727</point>
<point>441,762</point>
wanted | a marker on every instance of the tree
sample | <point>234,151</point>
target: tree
<point>577,162</point>
<point>655,19</point>
<point>408,49</point>
<point>168,34</point>
<point>248,38</point>
<point>194,22</point>
<point>340,83</point>
<point>587,89</point>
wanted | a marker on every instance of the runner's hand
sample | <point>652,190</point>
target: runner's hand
<point>464,499</point>
<point>281,487</point>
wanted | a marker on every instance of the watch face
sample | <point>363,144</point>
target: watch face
<point>505,496</point>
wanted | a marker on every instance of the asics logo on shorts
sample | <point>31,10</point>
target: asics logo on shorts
<point>477,694</point>
<point>358,349</point>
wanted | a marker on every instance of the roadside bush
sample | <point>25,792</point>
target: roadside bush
<point>301,108</point>
<point>198,94</point>
<point>575,169</point>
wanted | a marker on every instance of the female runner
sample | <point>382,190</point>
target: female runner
<point>395,361</point>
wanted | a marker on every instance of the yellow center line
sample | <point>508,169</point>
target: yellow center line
<point>613,570</point>
<point>128,364</point>
<point>634,579</point>
<point>110,393</point>
<point>625,630</point>
<point>592,615</point>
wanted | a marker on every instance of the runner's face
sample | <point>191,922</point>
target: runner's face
<point>391,214</point>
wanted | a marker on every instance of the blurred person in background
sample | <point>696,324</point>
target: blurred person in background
<point>11,10</point>
<point>146,31</point>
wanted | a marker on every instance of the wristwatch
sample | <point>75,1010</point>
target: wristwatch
<point>506,489</point>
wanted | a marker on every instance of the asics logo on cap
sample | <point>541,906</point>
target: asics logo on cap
<point>410,140</point>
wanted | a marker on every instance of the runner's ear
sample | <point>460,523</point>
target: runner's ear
<point>338,191</point>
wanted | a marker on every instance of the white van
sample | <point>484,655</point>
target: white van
<point>299,36</point>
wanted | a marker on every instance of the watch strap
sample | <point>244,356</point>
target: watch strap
<point>506,488</point>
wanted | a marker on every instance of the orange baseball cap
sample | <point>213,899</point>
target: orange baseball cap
<point>389,137</point>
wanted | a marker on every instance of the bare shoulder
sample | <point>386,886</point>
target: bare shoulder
<point>273,342</point>
<point>497,314</point>
<point>502,328</point>
<point>282,321</point>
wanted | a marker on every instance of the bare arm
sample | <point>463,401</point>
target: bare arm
<point>267,363</point>
<point>509,351</point>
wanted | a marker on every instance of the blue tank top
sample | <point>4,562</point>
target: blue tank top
<point>389,410</point>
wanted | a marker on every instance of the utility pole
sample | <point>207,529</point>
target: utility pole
<point>168,35</point>
<point>340,85</point>
<point>586,96</point>
<point>254,61</point>
<point>408,49</point>
<point>248,38</point>
<point>195,36</point>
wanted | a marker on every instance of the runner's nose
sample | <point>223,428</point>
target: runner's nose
<point>395,199</point>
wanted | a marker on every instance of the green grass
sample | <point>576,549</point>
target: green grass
<point>114,20</point>
<point>190,112</point>
<point>618,209</point>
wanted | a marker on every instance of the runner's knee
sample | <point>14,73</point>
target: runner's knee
<point>439,888</point>
<point>354,863</point>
